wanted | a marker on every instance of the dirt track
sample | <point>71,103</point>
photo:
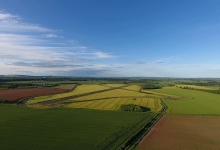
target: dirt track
<point>183,132</point>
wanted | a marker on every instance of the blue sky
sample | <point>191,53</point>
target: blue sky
<point>117,38</point>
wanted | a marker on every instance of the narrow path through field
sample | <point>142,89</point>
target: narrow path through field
<point>133,141</point>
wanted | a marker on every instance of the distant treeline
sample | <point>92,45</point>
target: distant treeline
<point>24,85</point>
<point>204,90</point>
<point>209,83</point>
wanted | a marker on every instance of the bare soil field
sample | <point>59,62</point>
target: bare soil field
<point>183,132</point>
<point>13,95</point>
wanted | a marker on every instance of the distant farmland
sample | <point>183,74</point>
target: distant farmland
<point>87,118</point>
<point>91,116</point>
<point>112,99</point>
<point>79,90</point>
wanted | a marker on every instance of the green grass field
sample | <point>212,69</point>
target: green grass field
<point>193,102</point>
<point>64,128</point>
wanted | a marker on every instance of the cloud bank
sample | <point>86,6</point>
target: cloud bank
<point>28,48</point>
<point>31,49</point>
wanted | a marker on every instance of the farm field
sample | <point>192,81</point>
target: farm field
<point>183,132</point>
<point>113,85</point>
<point>66,86</point>
<point>112,100</point>
<point>105,100</point>
<point>132,87</point>
<point>163,95</point>
<point>81,89</point>
<point>64,128</point>
<point>91,116</point>
<point>13,95</point>
<point>193,102</point>
<point>115,103</point>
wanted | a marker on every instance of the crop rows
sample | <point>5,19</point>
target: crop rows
<point>132,87</point>
<point>63,128</point>
<point>104,100</point>
<point>115,103</point>
<point>79,90</point>
<point>109,94</point>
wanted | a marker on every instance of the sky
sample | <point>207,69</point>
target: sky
<point>116,38</point>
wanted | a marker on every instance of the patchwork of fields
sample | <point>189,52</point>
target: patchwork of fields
<point>79,90</point>
<point>94,127</point>
<point>90,117</point>
<point>112,99</point>
<point>194,123</point>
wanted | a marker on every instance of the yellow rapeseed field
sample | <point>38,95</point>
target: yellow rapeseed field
<point>108,100</point>
<point>79,90</point>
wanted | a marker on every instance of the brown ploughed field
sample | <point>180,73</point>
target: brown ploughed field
<point>13,95</point>
<point>182,132</point>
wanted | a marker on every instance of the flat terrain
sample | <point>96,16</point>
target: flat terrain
<point>192,102</point>
<point>89,115</point>
<point>183,132</point>
<point>81,89</point>
<point>13,95</point>
<point>112,99</point>
<point>66,128</point>
<point>115,103</point>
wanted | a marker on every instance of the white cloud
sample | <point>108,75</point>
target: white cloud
<point>13,23</point>
<point>23,50</point>
<point>51,35</point>
<point>72,41</point>
<point>103,55</point>
<point>5,16</point>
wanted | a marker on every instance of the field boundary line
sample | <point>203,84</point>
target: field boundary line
<point>133,141</point>
<point>162,94</point>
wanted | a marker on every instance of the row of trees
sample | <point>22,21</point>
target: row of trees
<point>151,86</point>
<point>204,90</point>
<point>134,108</point>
